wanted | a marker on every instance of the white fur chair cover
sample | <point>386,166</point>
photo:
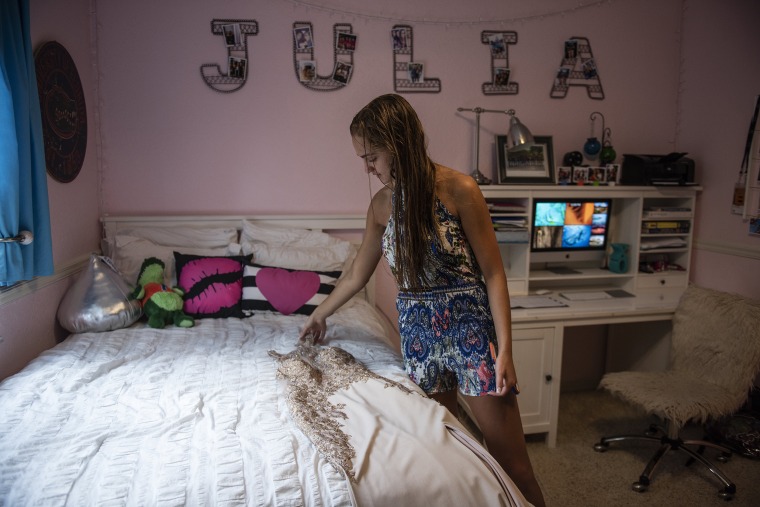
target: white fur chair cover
<point>715,356</point>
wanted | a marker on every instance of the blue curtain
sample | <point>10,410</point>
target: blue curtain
<point>23,178</point>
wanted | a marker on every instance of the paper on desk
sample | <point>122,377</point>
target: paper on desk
<point>534,302</point>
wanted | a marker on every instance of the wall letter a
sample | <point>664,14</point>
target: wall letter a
<point>578,68</point>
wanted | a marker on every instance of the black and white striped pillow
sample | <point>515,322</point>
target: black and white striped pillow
<point>286,291</point>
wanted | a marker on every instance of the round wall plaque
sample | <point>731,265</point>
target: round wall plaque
<point>64,116</point>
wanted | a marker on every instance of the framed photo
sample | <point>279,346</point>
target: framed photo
<point>589,69</point>
<point>231,34</point>
<point>597,175</point>
<point>754,227</point>
<point>501,76</point>
<point>497,44</point>
<point>238,67</point>
<point>303,37</point>
<point>416,72</point>
<point>307,70</point>
<point>564,175</point>
<point>534,165</point>
<point>613,174</point>
<point>571,49</point>
<point>562,75</point>
<point>345,41</point>
<point>580,175</point>
<point>342,72</point>
<point>401,39</point>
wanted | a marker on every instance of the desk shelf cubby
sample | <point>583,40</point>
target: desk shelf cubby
<point>656,223</point>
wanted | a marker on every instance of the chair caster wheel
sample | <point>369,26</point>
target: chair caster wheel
<point>639,487</point>
<point>728,492</point>
<point>601,446</point>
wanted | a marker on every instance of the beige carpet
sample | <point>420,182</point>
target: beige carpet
<point>573,474</point>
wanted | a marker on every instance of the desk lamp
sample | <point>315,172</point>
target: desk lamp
<point>519,138</point>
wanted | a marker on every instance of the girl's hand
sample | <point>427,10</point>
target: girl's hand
<point>506,377</point>
<point>315,328</point>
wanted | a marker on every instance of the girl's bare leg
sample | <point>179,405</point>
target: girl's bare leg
<point>499,419</point>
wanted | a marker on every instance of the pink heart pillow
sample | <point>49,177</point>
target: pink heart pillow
<point>287,291</point>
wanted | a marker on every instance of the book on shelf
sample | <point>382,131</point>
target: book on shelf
<point>665,226</point>
<point>508,223</point>
<point>506,207</point>
<point>512,236</point>
<point>667,212</point>
<point>655,244</point>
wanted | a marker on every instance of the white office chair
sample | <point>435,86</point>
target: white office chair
<point>715,357</point>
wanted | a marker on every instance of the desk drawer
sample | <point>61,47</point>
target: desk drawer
<point>661,280</point>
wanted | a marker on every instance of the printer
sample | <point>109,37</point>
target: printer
<point>670,169</point>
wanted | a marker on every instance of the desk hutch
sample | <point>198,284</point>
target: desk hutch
<point>638,326</point>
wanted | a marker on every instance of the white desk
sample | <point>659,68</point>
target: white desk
<point>637,327</point>
<point>538,342</point>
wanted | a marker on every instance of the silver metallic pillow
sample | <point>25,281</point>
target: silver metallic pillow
<point>98,300</point>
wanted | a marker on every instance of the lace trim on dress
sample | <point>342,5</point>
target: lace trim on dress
<point>313,374</point>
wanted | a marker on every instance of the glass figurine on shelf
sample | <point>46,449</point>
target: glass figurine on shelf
<point>592,147</point>
<point>608,153</point>
<point>618,261</point>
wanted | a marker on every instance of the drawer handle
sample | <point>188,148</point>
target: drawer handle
<point>548,377</point>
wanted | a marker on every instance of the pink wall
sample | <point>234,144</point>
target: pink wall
<point>170,144</point>
<point>73,206</point>
<point>28,325</point>
<point>720,81</point>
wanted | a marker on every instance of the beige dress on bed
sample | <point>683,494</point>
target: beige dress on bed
<point>392,443</point>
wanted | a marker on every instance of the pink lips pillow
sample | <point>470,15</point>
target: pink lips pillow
<point>213,286</point>
<point>285,290</point>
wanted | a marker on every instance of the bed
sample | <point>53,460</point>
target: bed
<point>234,410</point>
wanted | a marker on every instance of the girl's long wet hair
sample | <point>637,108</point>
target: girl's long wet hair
<point>390,123</point>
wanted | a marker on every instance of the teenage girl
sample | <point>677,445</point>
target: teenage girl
<point>433,226</point>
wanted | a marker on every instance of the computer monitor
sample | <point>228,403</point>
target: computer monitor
<point>569,230</point>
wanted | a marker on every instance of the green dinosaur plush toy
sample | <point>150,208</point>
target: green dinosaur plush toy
<point>161,304</point>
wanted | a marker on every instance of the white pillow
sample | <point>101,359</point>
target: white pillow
<point>294,248</point>
<point>130,252</point>
<point>317,258</point>
<point>279,235</point>
<point>188,236</point>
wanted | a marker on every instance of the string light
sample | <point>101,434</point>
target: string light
<point>307,4</point>
<point>681,76</point>
<point>95,30</point>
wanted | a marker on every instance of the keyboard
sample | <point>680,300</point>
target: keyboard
<point>585,296</point>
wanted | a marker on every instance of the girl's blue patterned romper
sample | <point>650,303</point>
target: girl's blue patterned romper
<point>446,329</point>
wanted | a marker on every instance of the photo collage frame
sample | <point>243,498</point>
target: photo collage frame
<point>589,175</point>
<point>343,45</point>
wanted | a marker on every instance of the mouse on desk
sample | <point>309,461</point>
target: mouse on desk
<point>543,292</point>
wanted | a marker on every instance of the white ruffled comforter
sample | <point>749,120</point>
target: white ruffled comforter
<point>196,416</point>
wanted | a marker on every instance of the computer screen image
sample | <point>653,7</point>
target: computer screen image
<point>565,226</point>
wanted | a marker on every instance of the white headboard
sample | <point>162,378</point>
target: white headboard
<point>349,227</point>
<point>325,223</point>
